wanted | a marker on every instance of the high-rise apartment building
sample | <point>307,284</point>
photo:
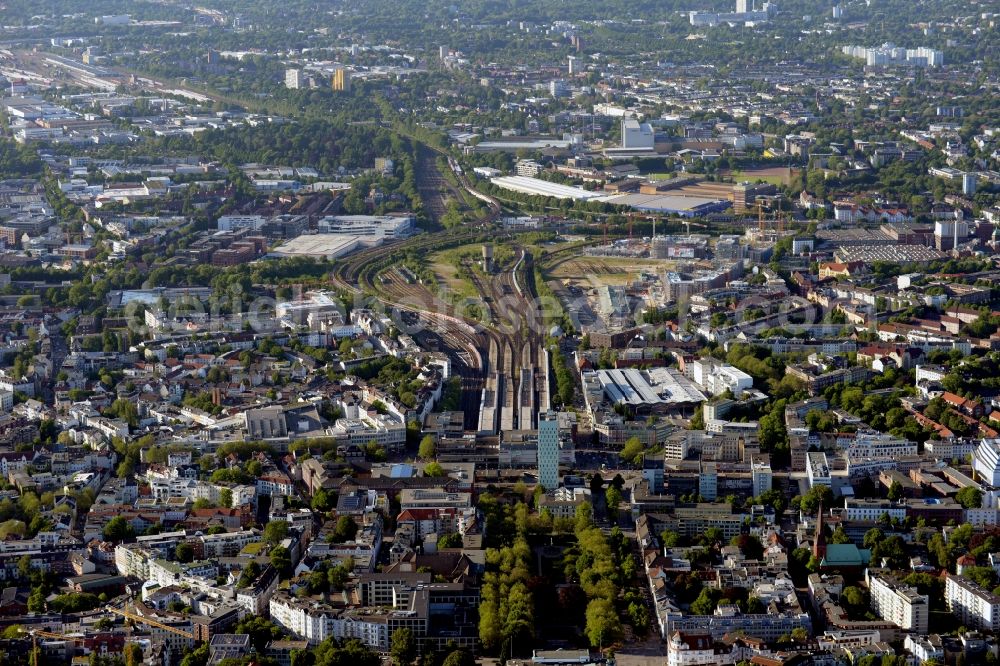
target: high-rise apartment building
<point>899,603</point>
<point>293,78</point>
<point>548,450</point>
<point>974,606</point>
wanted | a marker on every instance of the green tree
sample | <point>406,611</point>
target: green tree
<point>133,654</point>
<point>36,600</point>
<point>613,496</point>
<point>671,539</point>
<point>839,535</point>
<point>24,567</point>
<point>603,626</point>
<point>749,545</point>
<point>427,449</point>
<point>404,647</point>
<point>184,552</point>
<point>939,551</point>
<point>584,517</point>
<point>450,540</point>
<point>275,532</point>
<point>893,549</point>
<point>872,537</point>
<point>118,529</point>
<point>261,631</point>
<point>13,528</point>
<point>197,656</point>
<point>434,469</point>
<point>706,602</point>
<point>983,576</point>
<point>13,632</point>
<point>321,501</point>
<point>74,603</point>
<point>970,497</point>
<point>712,536</point>
<point>281,561</point>
<point>632,451</point>
<point>816,495</point>
<point>459,658</point>
<point>854,601</point>
<point>344,530</point>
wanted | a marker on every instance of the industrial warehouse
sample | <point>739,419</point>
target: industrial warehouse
<point>677,203</point>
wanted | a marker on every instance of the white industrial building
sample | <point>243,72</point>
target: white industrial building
<point>338,235</point>
<point>232,222</point>
<point>382,227</point>
<point>717,378</point>
<point>650,389</point>
<point>636,135</point>
<point>543,188</point>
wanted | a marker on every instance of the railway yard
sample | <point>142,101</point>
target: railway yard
<point>502,361</point>
<point>501,355</point>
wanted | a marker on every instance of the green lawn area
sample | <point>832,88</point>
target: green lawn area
<point>444,265</point>
<point>252,549</point>
<point>754,177</point>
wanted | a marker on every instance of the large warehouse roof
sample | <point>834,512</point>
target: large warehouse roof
<point>539,187</point>
<point>660,203</point>
<point>656,386</point>
<point>329,246</point>
<point>670,203</point>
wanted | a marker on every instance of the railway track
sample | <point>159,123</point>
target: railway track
<point>503,365</point>
<point>432,186</point>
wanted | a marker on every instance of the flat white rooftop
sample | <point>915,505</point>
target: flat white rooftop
<point>330,246</point>
<point>664,202</point>
<point>654,386</point>
<point>539,187</point>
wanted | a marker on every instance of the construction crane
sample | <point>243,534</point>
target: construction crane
<point>38,633</point>
<point>150,622</point>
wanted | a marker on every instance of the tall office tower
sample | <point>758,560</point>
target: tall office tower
<point>969,183</point>
<point>741,7</point>
<point>548,450</point>
<point>341,80</point>
<point>571,65</point>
